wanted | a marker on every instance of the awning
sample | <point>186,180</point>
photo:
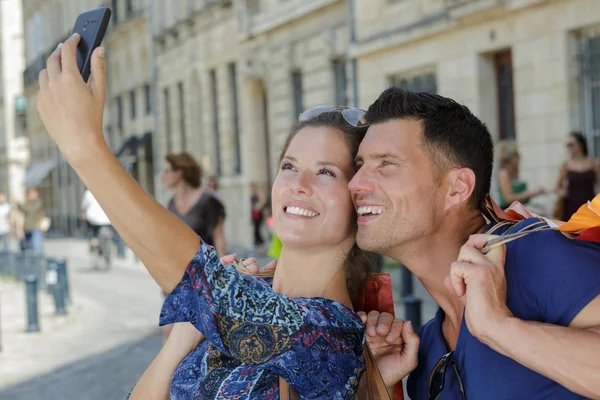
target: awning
<point>38,171</point>
<point>128,152</point>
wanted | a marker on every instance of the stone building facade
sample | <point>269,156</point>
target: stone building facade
<point>225,79</point>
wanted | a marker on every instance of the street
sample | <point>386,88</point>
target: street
<point>100,349</point>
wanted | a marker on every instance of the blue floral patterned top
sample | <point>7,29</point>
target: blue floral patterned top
<point>255,335</point>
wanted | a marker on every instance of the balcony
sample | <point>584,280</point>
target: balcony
<point>464,8</point>
<point>164,29</point>
<point>255,19</point>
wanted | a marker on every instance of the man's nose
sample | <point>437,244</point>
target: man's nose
<point>361,183</point>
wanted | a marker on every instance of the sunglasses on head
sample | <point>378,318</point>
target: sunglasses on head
<point>353,116</point>
<point>437,377</point>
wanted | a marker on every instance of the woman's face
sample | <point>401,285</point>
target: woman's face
<point>515,160</point>
<point>170,176</point>
<point>311,201</point>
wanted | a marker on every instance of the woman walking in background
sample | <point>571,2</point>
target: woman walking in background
<point>193,204</point>
<point>577,178</point>
<point>511,187</point>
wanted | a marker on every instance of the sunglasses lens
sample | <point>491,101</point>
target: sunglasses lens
<point>355,117</point>
<point>315,111</point>
<point>437,377</point>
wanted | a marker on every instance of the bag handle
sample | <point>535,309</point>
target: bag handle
<point>376,385</point>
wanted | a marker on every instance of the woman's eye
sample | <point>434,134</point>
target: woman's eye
<point>328,172</point>
<point>285,166</point>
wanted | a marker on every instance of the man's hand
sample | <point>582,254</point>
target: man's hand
<point>394,344</point>
<point>479,281</point>
<point>249,263</point>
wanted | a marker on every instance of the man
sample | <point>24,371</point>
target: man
<point>522,321</point>
<point>93,214</point>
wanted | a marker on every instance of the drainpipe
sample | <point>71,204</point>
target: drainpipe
<point>353,61</point>
<point>156,163</point>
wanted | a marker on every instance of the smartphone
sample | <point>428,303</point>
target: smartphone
<point>91,26</point>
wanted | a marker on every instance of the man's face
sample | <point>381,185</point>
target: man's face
<point>395,190</point>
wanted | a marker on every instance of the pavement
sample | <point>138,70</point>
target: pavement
<point>99,350</point>
<point>109,337</point>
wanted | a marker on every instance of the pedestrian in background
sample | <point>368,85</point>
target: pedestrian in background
<point>213,186</point>
<point>577,178</point>
<point>30,233</point>
<point>193,204</point>
<point>258,201</point>
<point>511,188</point>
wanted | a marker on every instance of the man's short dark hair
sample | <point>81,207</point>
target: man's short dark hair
<point>452,135</point>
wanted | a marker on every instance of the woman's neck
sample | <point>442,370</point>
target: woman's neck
<point>309,273</point>
<point>184,191</point>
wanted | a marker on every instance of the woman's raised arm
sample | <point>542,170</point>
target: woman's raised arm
<point>72,114</point>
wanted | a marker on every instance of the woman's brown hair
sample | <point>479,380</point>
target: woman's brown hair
<point>184,162</point>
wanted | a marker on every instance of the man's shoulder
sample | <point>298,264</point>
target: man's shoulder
<point>543,244</point>
<point>548,244</point>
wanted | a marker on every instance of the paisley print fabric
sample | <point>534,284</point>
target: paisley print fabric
<point>255,335</point>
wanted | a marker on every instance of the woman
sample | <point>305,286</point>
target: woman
<point>577,177</point>
<point>299,328</point>
<point>511,187</point>
<point>191,203</point>
<point>309,195</point>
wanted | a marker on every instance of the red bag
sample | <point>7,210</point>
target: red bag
<point>377,294</point>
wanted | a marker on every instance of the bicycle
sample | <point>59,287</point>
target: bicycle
<point>103,251</point>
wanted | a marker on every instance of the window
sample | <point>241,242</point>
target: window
<point>132,103</point>
<point>215,116</point>
<point>129,8</point>
<point>147,98</point>
<point>339,76</point>
<point>590,87</point>
<point>120,114</point>
<point>168,133</point>
<point>506,98</point>
<point>115,11</point>
<point>235,115</point>
<point>297,93</point>
<point>416,83</point>
<point>181,96</point>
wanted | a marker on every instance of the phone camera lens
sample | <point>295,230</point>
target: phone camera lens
<point>86,23</point>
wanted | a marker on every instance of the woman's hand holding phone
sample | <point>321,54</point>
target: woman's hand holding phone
<point>70,109</point>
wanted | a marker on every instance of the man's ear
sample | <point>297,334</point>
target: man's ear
<point>461,184</point>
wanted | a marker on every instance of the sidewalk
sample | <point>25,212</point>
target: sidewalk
<point>23,354</point>
<point>109,310</point>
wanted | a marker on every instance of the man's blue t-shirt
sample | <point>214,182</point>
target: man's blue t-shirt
<point>549,279</point>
